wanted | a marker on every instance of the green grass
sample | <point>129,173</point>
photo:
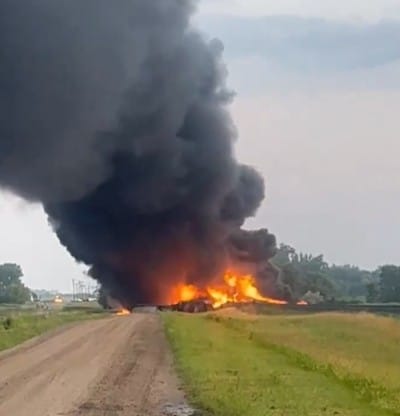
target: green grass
<point>325,364</point>
<point>6,309</point>
<point>19,327</point>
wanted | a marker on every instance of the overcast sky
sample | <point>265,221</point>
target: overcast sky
<point>318,96</point>
<point>331,9</point>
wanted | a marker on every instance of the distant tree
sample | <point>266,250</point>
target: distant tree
<point>292,279</point>
<point>351,281</point>
<point>304,273</point>
<point>284,255</point>
<point>320,283</point>
<point>12,290</point>
<point>389,283</point>
<point>373,294</point>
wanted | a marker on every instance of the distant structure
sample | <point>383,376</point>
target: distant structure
<point>84,291</point>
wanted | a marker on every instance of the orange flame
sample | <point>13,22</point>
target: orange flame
<point>123,312</point>
<point>188,292</point>
<point>234,289</point>
<point>302,303</point>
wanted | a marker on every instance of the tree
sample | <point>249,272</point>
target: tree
<point>304,273</point>
<point>373,294</point>
<point>294,281</point>
<point>351,281</point>
<point>12,290</point>
<point>284,255</point>
<point>389,283</point>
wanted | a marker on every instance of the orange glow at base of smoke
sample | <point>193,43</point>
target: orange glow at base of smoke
<point>233,289</point>
<point>123,312</point>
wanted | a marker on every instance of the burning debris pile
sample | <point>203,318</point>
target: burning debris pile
<point>114,117</point>
<point>234,289</point>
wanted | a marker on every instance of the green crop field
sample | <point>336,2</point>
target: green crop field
<point>17,327</point>
<point>235,364</point>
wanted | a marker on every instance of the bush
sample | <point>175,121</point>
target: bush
<point>8,322</point>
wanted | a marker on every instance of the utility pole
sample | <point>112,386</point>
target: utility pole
<point>73,290</point>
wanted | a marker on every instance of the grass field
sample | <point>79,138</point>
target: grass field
<point>19,327</point>
<point>324,364</point>
<point>6,309</point>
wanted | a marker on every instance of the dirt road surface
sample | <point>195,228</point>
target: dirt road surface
<point>117,366</point>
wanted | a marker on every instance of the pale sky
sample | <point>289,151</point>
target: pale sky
<point>331,9</point>
<point>317,113</point>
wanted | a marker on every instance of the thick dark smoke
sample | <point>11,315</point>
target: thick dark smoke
<point>113,115</point>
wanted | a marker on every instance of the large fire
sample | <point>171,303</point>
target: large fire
<point>234,289</point>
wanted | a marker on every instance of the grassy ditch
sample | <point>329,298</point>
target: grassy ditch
<point>323,364</point>
<point>19,327</point>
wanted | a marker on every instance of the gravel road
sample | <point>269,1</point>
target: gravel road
<point>117,366</point>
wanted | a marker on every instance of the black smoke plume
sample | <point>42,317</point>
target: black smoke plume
<point>113,115</point>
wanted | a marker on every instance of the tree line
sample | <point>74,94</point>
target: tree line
<point>310,277</point>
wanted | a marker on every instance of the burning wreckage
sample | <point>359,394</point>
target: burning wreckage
<point>235,288</point>
<point>130,149</point>
<point>250,253</point>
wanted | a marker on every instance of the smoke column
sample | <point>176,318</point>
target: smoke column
<point>113,115</point>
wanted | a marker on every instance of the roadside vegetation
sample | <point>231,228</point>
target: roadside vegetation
<point>325,364</point>
<point>21,326</point>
